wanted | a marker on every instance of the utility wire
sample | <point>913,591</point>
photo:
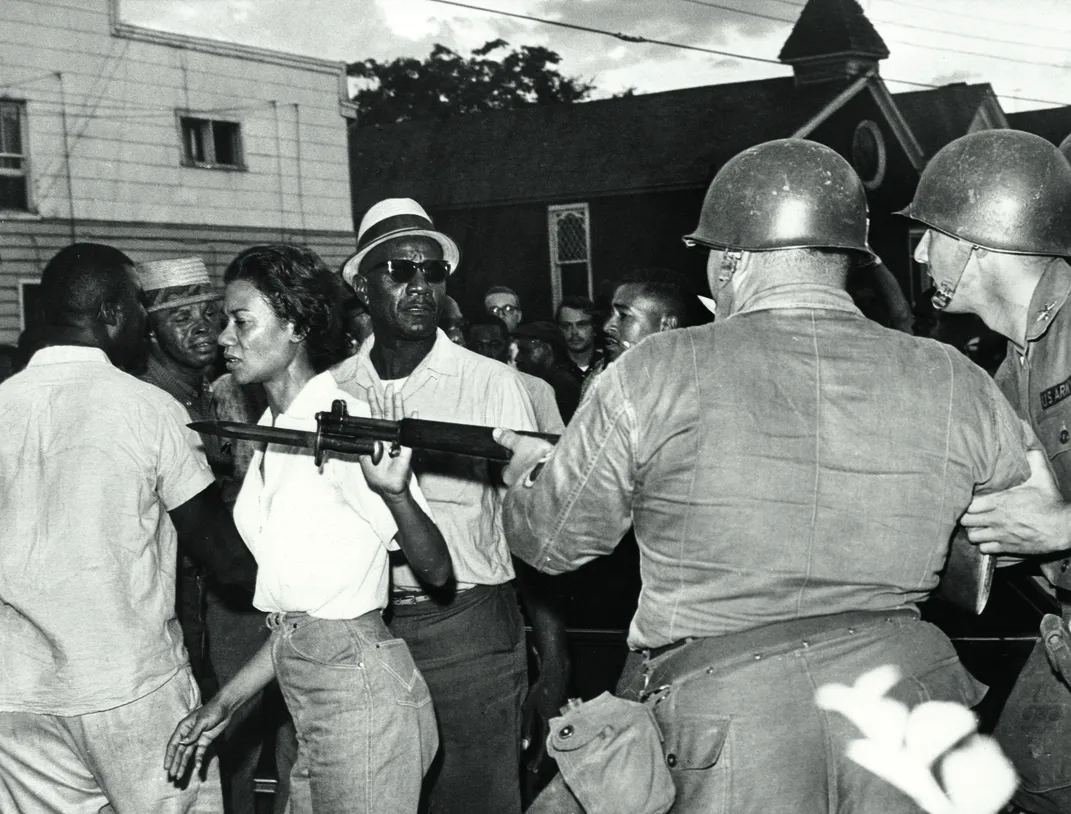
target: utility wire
<point>740,11</point>
<point>933,7</point>
<point>947,49</point>
<point>615,34</point>
<point>747,57</point>
<point>1061,48</point>
<point>50,75</point>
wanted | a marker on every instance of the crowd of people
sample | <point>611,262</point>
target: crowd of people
<point>786,461</point>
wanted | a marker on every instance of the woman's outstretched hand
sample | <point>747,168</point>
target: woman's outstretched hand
<point>193,735</point>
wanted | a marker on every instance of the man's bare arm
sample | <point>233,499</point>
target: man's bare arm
<point>208,536</point>
<point>1027,520</point>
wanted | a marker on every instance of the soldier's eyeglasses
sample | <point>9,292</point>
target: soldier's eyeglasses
<point>499,310</point>
<point>402,271</point>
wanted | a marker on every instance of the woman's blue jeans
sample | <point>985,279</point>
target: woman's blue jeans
<point>365,726</point>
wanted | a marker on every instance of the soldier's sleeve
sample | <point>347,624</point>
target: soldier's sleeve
<point>1004,462</point>
<point>580,505</point>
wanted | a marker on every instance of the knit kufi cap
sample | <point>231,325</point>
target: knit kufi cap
<point>177,282</point>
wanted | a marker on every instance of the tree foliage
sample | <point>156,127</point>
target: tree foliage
<point>447,83</point>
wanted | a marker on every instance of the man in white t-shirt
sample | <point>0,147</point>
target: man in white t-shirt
<point>98,481</point>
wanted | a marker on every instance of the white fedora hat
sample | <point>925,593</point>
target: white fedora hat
<point>395,217</point>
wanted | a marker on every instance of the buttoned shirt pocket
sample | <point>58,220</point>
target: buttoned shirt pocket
<point>406,684</point>
<point>1054,432</point>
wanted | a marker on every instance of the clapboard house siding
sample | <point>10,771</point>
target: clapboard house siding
<point>101,102</point>
<point>26,248</point>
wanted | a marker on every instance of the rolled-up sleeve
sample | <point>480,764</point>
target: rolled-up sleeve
<point>580,505</point>
<point>1006,446</point>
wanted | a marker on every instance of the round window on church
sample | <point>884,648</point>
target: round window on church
<point>868,154</point>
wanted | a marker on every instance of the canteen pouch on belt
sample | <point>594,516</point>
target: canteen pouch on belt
<point>609,752</point>
<point>1035,724</point>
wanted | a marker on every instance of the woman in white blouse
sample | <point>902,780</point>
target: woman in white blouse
<point>365,726</point>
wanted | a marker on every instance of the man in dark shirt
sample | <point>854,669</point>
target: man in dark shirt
<point>184,323</point>
<point>539,350</point>
<point>221,628</point>
<point>794,473</point>
<point>575,317</point>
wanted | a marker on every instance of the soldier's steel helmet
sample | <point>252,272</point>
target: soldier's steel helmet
<point>785,194</point>
<point>1003,190</point>
<point>1065,148</point>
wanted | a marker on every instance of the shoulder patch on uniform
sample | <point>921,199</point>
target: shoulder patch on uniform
<point>1052,396</point>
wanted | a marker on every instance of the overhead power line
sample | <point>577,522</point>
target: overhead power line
<point>945,49</point>
<point>758,14</point>
<point>669,44</point>
<point>982,37</point>
<point>933,7</point>
<point>615,34</point>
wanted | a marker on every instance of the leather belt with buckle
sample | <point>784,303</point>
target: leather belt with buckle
<point>408,599</point>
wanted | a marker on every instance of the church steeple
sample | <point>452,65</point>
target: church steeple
<point>832,40</point>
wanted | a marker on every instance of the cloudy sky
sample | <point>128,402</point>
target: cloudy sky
<point>1019,46</point>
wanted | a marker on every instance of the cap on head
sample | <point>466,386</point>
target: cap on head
<point>544,331</point>
<point>177,282</point>
<point>1003,190</point>
<point>784,194</point>
<point>396,217</point>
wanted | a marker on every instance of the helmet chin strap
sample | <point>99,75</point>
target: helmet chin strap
<point>946,289</point>
<point>730,262</point>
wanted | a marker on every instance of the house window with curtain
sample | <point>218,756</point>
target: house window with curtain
<point>569,229</point>
<point>14,163</point>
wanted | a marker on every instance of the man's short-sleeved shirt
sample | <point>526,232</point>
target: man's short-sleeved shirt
<point>792,460</point>
<point>91,460</point>
<point>544,404</point>
<point>320,535</point>
<point>455,384</point>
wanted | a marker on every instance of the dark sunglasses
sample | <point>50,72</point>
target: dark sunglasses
<point>402,271</point>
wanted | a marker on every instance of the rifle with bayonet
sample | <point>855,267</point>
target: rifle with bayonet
<point>337,431</point>
<point>965,582</point>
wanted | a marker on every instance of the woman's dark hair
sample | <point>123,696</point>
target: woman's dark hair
<point>302,290</point>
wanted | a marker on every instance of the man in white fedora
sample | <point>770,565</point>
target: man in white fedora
<point>468,641</point>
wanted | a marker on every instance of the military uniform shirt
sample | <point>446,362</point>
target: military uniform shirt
<point>1037,381</point>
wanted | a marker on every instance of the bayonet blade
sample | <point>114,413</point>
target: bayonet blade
<point>256,432</point>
